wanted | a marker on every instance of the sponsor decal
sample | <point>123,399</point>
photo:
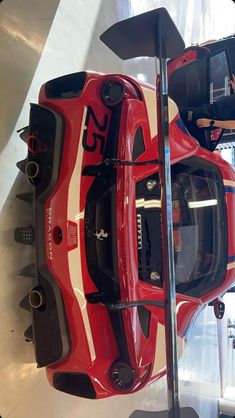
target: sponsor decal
<point>139,231</point>
<point>100,234</point>
<point>95,131</point>
<point>72,234</point>
<point>49,237</point>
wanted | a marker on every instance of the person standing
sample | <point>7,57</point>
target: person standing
<point>220,114</point>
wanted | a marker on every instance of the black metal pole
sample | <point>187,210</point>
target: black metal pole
<point>154,34</point>
<point>167,227</point>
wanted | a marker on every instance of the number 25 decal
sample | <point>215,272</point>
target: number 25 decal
<point>90,142</point>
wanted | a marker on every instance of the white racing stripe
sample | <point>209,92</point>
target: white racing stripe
<point>230,266</point>
<point>160,351</point>
<point>229,183</point>
<point>202,203</point>
<point>74,256</point>
<point>150,101</point>
<point>147,204</point>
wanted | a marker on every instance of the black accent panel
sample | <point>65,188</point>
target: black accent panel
<point>50,328</point>
<point>144,318</point>
<point>24,303</point>
<point>28,271</point>
<point>189,84</point>
<point>66,87</point>
<point>100,213</point>
<point>51,335</point>
<point>22,164</point>
<point>48,127</point>
<point>24,235</point>
<point>52,341</point>
<point>102,253</point>
<point>139,146</point>
<point>78,384</point>
<point>29,334</point>
<point>112,140</point>
<point>26,197</point>
<point>119,332</point>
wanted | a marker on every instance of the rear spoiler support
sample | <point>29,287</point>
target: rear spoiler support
<point>154,34</point>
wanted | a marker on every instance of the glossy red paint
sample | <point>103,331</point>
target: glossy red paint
<point>94,346</point>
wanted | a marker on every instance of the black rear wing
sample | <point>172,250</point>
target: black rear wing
<point>150,34</point>
<point>154,34</point>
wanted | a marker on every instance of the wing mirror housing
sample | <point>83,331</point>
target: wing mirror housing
<point>219,309</point>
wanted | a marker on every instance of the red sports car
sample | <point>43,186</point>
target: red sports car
<point>93,162</point>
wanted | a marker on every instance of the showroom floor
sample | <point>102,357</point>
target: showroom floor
<point>35,48</point>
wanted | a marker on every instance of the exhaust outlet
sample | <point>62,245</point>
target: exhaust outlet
<point>32,170</point>
<point>37,299</point>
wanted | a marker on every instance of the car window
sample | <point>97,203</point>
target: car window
<point>219,76</point>
<point>199,227</point>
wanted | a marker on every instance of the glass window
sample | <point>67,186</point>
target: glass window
<point>220,85</point>
<point>219,76</point>
<point>199,227</point>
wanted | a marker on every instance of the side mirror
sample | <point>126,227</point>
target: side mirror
<point>219,309</point>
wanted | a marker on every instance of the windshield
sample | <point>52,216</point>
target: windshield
<point>199,228</point>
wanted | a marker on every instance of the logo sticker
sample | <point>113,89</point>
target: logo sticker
<point>49,233</point>
<point>100,234</point>
<point>72,234</point>
<point>139,231</point>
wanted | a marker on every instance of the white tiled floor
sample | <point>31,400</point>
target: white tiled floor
<point>73,45</point>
